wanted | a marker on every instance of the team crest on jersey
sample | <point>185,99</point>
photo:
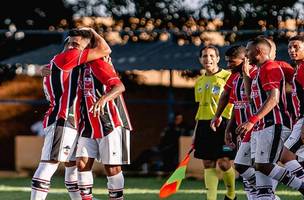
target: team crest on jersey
<point>216,89</point>
<point>66,150</point>
<point>200,89</point>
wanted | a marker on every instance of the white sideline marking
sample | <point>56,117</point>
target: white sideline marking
<point>4,188</point>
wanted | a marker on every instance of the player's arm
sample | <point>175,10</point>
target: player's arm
<point>115,91</point>
<point>271,101</point>
<point>224,99</point>
<point>101,48</point>
<point>229,131</point>
<point>246,77</point>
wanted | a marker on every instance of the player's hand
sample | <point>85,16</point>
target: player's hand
<point>45,70</point>
<point>244,128</point>
<point>246,67</point>
<point>98,108</point>
<point>215,122</point>
<point>228,139</point>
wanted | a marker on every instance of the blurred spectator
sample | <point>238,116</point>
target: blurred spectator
<point>164,156</point>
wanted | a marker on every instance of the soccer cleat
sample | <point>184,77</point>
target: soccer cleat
<point>227,198</point>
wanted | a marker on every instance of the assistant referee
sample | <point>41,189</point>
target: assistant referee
<point>209,145</point>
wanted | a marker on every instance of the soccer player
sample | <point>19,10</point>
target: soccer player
<point>234,92</point>
<point>209,144</point>
<point>294,145</point>
<point>60,121</point>
<point>104,128</point>
<point>270,120</point>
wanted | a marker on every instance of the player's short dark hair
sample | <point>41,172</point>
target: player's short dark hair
<point>297,37</point>
<point>259,40</point>
<point>83,33</point>
<point>209,47</point>
<point>235,51</point>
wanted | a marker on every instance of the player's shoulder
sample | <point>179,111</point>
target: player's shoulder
<point>223,74</point>
<point>270,65</point>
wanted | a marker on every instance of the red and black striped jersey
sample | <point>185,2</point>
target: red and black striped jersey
<point>237,96</point>
<point>60,87</point>
<point>270,76</point>
<point>97,78</point>
<point>298,91</point>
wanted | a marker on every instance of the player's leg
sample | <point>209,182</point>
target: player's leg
<point>228,177</point>
<point>293,147</point>
<point>243,164</point>
<point>115,151</point>
<point>208,147</point>
<point>224,161</point>
<point>71,180</point>
<point>41,180</point>
<point>269,145</point>
<point>56,148</point>
<point>87,152</point>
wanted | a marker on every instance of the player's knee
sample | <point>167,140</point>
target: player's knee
<point>70,164</point>
<point>112,170</point>
<point>287,155</point>
<point>264,168</point>
<point>83,164</point>
<point>224,164</point>
<point>209,164</point>
<point>240,168</point>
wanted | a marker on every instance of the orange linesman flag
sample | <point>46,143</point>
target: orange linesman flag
<point>172,184</point>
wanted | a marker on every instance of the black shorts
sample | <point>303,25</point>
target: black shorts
<point>209,145</point>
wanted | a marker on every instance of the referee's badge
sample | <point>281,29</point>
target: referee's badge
<point>216,89</point>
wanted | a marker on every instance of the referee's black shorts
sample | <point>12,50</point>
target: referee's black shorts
<point>209,145</point>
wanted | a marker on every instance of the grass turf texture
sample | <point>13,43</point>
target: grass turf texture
<point>143,188</point>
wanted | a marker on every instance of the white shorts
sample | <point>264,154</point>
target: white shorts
<point>60,142</point>
<point>243,155</point>
<point>269,143</point>
<point>294,142</point>
<point>113,149</point>
<point>253,144</point>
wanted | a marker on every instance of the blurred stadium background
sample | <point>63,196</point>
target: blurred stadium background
<point>155,47</point>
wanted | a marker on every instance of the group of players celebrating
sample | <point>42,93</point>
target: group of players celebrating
<point>86,120</point>
<point>266,98</point>
<point>260,101</point>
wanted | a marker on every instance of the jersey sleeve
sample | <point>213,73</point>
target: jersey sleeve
<point>229,83</point>
<point>271,76</point>
<point>71,58</point>
<point>287,69</point>
<point>197,93</point>
<point>300,75</point>
<point>105,73</point>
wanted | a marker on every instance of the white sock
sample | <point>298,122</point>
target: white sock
<point>249,189</point>
<point>85,184</point>
<point>116,186</point>
<point>264,186</point>
<point>281,174</point>
<point>42,179</point>
<point>295,168</point>
<point>70,180</point>
<point>274,184</point>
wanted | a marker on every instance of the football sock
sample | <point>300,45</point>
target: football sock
<point>229,180</point>
<point>116,186</point>
<point>70,180</point>
<point>211,183</point>
<point>85,184</point>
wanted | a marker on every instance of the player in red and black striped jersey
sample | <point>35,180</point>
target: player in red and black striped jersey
<point>104,128</point>
<point>234,92</point>
<point>271,117</point>
<point>294,145</point>
<point>60,125</point>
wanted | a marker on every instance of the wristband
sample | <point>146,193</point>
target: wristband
<point>254,119</point>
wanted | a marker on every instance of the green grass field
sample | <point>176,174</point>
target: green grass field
<point>136,189</point>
